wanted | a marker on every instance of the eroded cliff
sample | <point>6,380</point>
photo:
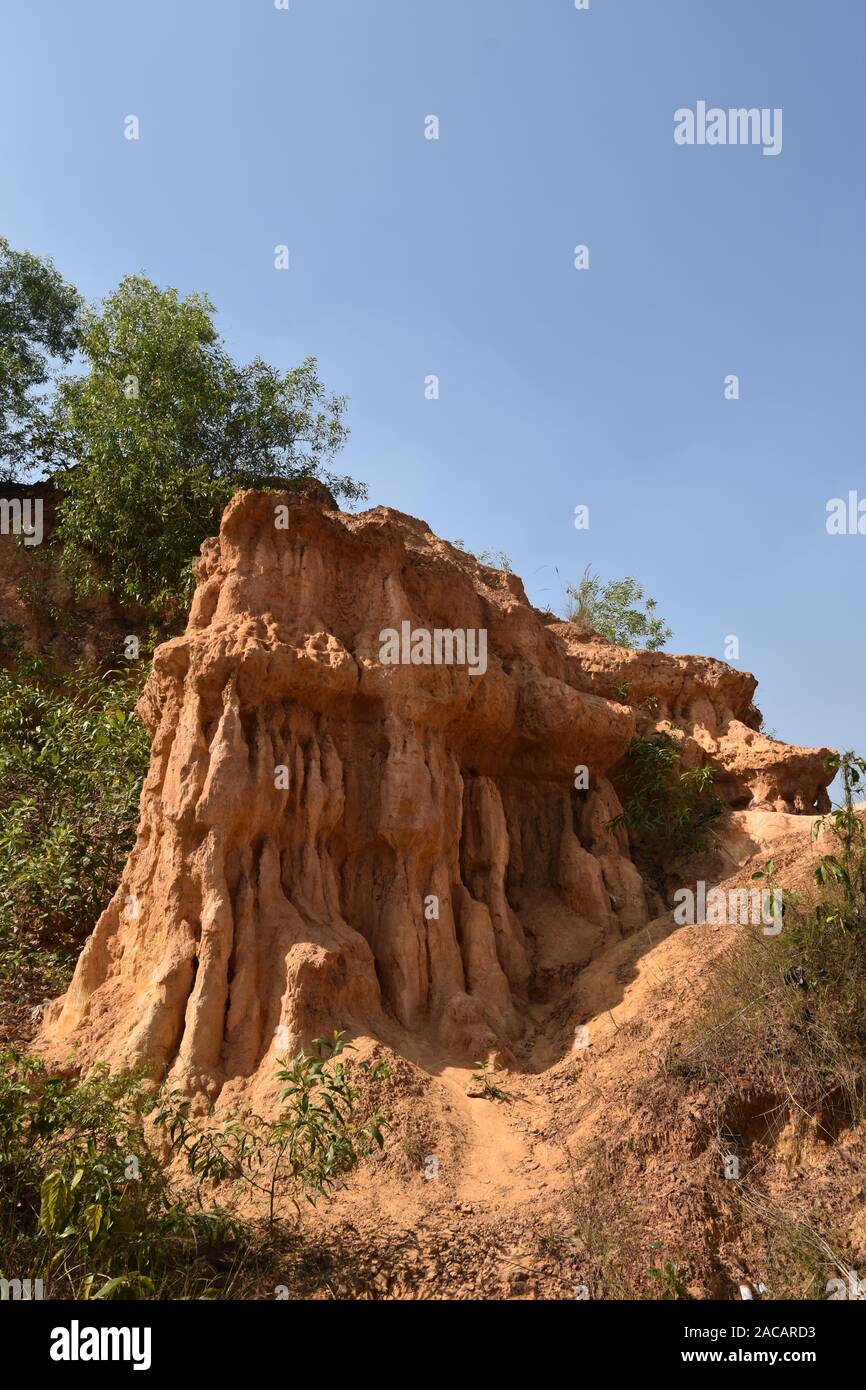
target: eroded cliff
<point>332,839</point>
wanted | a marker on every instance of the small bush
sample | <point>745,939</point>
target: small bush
<point>88,1205</point>
<point>84,1203</point>
<point>618,611</point>
<point>305,1153</point>
<point>73,755</point>
<point>494,559</point>
<point>670,813</point>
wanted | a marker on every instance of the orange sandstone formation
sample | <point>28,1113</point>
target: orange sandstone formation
<point>330,838</point>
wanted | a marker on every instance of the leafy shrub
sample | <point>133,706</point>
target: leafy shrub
<point>669,812</point>
<point>72,759</point>
<point>614,610</point>
<point>846,869</point>
<point>88,1206</point>
<point>314,1142</point>
<point>84,1203</point>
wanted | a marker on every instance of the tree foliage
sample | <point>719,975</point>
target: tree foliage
<point>160,432</point>
<point>39,325</point>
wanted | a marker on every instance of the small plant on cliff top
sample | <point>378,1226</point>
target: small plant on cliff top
<point>618,611</point>
<point>155,438</point>
<point>494,559</point>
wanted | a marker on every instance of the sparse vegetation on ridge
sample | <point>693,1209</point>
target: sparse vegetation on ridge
<point>617,610</point>
<point>787,1013</point>
<point>495,559</point>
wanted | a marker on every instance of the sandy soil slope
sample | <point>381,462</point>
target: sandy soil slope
<point>587,1149</point>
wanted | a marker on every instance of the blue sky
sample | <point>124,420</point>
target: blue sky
<point>410,257</point>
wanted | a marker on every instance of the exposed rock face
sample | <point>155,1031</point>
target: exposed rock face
<point>711,703</point>
<point>37,604</point>
<point>328,840</point>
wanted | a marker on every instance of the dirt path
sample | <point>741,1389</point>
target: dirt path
<point>498,1165</point>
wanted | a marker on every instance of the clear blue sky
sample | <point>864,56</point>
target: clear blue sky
<point>455,257</point>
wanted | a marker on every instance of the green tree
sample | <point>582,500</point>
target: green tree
<point>618,611</point>
<point>163,429</point>
<point>39,325</point>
